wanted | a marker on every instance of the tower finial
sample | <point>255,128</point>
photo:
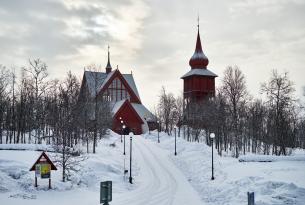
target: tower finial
<point>198,21</point>
<point>108,67</point>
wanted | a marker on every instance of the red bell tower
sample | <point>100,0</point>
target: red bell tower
<point>199,82</point>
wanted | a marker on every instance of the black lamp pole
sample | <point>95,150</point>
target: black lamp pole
<point>124,144</point>
<point>175,142</point>
<point>122,128</point>
<point>130,178</point>
<point>124,138</point>
<point>212,162</point>
<point>158,132</point>
<point>212,135</point>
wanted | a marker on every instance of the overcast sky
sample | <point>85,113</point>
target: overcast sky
<point>156,38</point>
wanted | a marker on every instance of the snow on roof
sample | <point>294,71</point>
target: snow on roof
<point>109,75</point>
<point>198,55</point>
<point>102,78</point>
<point>199,71</point>
<point>143,112</point>
<point>117,106</point>
<point>131,83</point>
<point>92,78</point>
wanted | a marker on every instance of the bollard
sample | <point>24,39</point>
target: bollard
<point>251,198</point>
<point>105,192</point>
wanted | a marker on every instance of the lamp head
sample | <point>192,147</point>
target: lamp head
<point>212,135</point>
<point>124,126</point>
<point>122,121</point>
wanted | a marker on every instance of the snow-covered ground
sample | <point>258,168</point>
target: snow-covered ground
<point>275,183</point>
<point>159,176</point>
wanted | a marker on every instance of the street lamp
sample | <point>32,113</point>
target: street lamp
<point>158,131</point>
<point>130,177</point>
<point>122,122</point>
<point>175,140</point>
<point>124,137</point>
<point>212,136</point>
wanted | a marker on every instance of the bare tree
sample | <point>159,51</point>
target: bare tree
<point>38,73</point>
<point>234,88</point>
<point>279,91</point>
<point>166,108</point>
<point>4,83</point>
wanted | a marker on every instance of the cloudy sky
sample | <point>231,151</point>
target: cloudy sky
<point>156,38</point>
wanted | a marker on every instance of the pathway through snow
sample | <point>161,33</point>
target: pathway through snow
<point>159,181</point>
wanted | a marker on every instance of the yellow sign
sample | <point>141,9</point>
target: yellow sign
<point>45,171</point>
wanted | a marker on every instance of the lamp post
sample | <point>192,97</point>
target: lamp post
<point>158,131</point>
<point>124,138</point>
<point>175,140</point>
<point>122,122</point>
<point>212,136</point>
<point>130,176</point>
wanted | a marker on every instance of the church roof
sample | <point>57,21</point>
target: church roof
<point>94,81</point>
<point>144,113</point>
<point>141,110</point>
<point>199,59</point>
<point>200,72</point>
<point>97,80</point>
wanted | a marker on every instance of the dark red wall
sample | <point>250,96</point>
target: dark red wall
<point>199,83</point>
<point>130,120</point>
<point>196,88</point>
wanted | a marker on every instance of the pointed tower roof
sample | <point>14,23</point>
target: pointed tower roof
<point>199,59</point>
<point>108,67</point>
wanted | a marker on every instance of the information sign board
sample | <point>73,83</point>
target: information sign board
<point>45,171</point>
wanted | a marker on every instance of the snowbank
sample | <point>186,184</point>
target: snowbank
<point>270,158</point>
<point>31,147</point>
<point>17,182</point>
<point>277,183</point>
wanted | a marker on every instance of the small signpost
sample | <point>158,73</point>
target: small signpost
<point>106,192</point>
<point>43,167</point>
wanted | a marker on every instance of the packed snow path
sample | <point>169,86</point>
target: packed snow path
<point>160,181</point>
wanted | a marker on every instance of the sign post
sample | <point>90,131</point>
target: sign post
<point>42,168</point>
<point>106,192</point>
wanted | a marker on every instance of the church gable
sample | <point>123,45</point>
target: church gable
<point>116,88</point>
<point>131,118</point>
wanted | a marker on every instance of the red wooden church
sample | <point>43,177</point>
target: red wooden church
<point>121,92</point>
<point>199,82</point>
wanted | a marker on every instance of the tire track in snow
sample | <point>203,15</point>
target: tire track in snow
<point>159,180</point>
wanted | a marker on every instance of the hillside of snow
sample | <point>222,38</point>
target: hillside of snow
<point>159,176</point>
<point>274,183</point>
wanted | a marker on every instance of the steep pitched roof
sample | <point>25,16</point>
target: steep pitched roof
<point>127,80</point>
<point>101,79</point>
<point>118,106</point>
<point>140,109</point>
<point>131,83</point>
<point>200,72</point>
<point>94,81</point>
<point>143,112</point>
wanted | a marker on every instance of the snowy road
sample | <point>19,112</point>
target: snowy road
<point>159,181</point>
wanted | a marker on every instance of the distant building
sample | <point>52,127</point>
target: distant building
<point>121,93</point>
<point>199,82</point>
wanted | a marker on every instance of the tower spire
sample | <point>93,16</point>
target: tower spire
<point>108,67</point>
<point>199,59</point>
